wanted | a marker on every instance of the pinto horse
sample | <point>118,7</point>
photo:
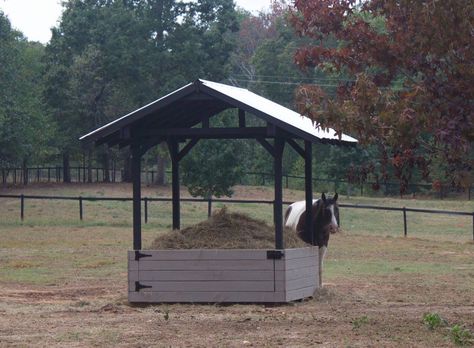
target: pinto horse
<point>325,216</point>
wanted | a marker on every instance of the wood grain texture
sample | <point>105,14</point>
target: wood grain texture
<point>217,275</point>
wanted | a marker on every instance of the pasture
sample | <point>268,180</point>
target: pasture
<point>63,282</point>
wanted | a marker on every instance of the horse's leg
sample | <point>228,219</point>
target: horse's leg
<point>322,253</point>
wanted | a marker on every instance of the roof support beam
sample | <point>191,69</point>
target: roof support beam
<point>209,133</point>
<point>187,148</point>
<point>270,148</point>
<point>296,147</point>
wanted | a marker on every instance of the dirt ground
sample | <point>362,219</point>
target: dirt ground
<point>376,291</point>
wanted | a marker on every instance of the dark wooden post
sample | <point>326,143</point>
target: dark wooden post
<point>308,170</point>
<point>136,182</point>
<point>405,229</point>
<point>80,208</point>
<point>173,146</point>
<point>278,203</point>
<point>241,118</point>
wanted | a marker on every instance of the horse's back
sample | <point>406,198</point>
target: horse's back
<point>294,212</point>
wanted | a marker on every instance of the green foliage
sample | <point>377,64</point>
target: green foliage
<point>460,335</point>
<point>357,323</point>
<point>214,166</point>
<point>25,129</point>
<point>433,321</point>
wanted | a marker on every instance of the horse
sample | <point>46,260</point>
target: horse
<point>325,216</point>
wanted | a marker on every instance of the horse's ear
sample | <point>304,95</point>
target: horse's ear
<point>323,197</point>
<point>335,197</point>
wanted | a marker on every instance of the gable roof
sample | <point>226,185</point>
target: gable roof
<point>188,105</point>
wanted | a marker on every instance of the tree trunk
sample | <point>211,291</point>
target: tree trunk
<point>105,165</point>
<point>66,168</point>
<point>127,168</point>
<point>25,172</point>
<point>89,166</point>
<point>161,168</point>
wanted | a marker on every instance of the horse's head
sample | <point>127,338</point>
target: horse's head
<point>330,212</point>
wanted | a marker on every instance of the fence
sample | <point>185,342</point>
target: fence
<point>210,201</point>
<point>79,174</point>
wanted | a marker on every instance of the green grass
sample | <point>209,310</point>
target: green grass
<point>52,238</point>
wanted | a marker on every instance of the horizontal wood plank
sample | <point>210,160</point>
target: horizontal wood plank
<point>207,297</point>
<point>301,283</point>
<point>216,275</point>
<point>310,261</point>
<point>202,254</point>
<point>302,272</point>
<point>207,286</point>
<point>207,265</point>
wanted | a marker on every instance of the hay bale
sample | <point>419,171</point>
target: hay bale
<point>225,230</point>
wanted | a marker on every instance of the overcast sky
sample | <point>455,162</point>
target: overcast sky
<point>34,18</point>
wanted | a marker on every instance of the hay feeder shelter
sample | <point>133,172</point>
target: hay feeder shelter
<point>217,275</point>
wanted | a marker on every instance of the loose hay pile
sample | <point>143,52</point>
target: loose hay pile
<point>225,230</point>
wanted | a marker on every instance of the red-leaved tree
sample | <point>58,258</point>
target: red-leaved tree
<point>409,79</point>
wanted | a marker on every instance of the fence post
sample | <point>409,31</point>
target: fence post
<point>146,210</point>
<point>80,208</point>
<point>473,226</point>
<point>405,230</point>
<point>209,207</point>
<point>22,207</point>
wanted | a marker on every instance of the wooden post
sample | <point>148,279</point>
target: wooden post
<point>173,147</point>
<point>80,208</point>
<point>209,206</point>
<point>405,229</point>
<point>137,214</point>
<point>308,170</point>
<point>241,118</point>
<point>278,203</point>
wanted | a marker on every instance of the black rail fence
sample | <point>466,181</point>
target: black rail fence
<point>147,200</point>
<point>79,174</point>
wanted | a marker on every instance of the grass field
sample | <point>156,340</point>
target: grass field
<point>63,281</point>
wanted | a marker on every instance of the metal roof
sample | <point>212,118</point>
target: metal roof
<point>187,106</point>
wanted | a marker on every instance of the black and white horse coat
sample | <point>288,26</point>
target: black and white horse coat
<point>325,220</point>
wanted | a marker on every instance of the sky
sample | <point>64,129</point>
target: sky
<point>34,18</point>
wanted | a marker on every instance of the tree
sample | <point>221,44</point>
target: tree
<point>214,166</point>
<point>25,129</point>
<point>411,70</point>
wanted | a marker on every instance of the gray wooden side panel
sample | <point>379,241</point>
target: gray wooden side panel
<point>300,293</point>
<point>309,281</point>
<point>208,297</point>
<point>202,254</point>
<point>200,275</point>
<point>301,252</point>
<point>302,272</point>
<point>310,261</point>
<point>207,286</point>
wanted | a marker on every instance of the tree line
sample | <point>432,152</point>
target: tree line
<point>412,109</point>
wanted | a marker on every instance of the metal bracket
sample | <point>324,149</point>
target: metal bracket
<point>139,255</point>
<point>139,286</point>
<point>275,254</point>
